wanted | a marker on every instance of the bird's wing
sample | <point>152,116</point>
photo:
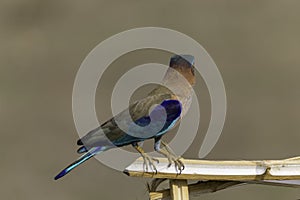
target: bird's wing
<point>109,132</point>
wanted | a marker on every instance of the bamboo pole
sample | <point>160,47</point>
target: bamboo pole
<point>241,170</point>
<point>179,189</point>
<point>218,175</point>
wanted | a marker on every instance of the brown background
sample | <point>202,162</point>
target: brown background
<point>255,44</point>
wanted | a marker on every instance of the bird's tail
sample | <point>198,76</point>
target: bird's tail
<point>93,151</point>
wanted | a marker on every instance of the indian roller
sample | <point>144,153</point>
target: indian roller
<point>172,98</point>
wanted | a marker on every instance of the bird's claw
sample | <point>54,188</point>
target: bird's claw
<point>149,163</point>
<point>179,166</point>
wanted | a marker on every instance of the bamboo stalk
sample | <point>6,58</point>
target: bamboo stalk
<point>287,169</point>
<point>179,189</point>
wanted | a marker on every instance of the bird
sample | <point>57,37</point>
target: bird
<point>166,104</point>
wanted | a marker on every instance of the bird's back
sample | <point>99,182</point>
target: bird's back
<point>110,134</point>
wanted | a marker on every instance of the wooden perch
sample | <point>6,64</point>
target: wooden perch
<point>218,175</point>
<point>287,169</point>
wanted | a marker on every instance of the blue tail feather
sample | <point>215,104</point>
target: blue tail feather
<point>93,151</point>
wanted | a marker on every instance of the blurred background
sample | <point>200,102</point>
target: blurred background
<point>255,44</point>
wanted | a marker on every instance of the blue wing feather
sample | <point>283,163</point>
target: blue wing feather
<point>173,110</point>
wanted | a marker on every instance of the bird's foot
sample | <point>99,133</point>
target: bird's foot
<point>179,166</point>
<point>149,163</point>
<point>167,151</point>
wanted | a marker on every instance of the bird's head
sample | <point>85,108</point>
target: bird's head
<point>184,64</point>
